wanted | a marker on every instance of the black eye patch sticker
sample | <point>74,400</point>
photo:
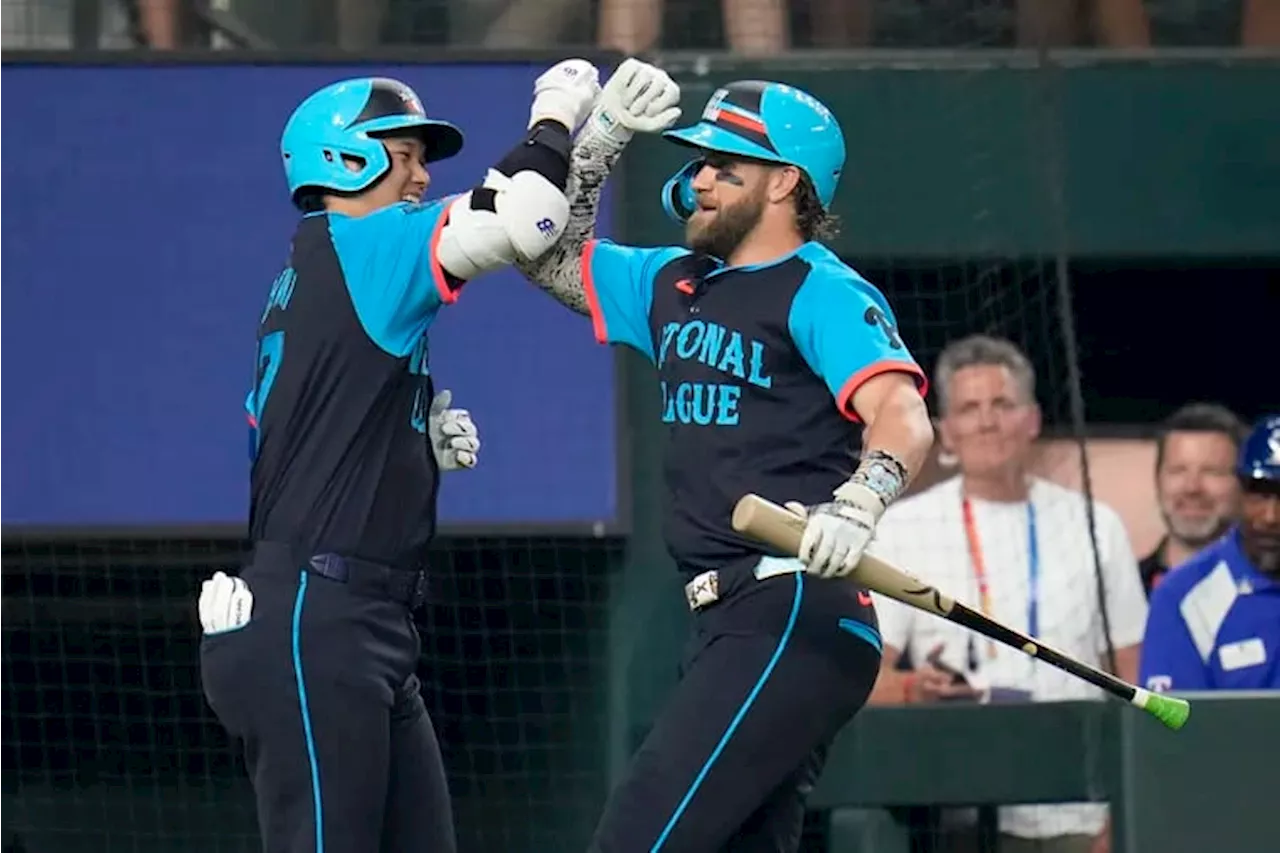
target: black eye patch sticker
<point>724,168</point>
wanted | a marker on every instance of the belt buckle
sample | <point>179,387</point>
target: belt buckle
<point>703,590</point>
<point>331,566</point>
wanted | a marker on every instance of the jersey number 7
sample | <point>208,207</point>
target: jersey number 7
<point>270,351</point>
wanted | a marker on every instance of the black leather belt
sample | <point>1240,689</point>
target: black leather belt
<point>403,586</point>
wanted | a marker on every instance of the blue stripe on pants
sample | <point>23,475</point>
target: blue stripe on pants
<point>737,718</point>
<point>306,711</point>
<point>863,631</point>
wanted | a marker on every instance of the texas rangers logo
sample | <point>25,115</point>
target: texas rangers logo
<point>1273,445</point>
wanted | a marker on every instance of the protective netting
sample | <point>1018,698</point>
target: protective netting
<point>108,744</point>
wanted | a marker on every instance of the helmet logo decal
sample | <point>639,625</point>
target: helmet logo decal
<point>411,103</point>
<point>1273,445</point>
<point>726,111</point>
<point>712,110</point>
<point>717,111</point>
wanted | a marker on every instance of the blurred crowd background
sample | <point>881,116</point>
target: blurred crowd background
<point>746,27</point>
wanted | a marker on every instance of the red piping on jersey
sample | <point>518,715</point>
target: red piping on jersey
<point>447,294</point>
<point>589,290</point>
<point>844,400</point>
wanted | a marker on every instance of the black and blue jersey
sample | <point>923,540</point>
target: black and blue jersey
<point>757,368</point>
<point>338,410</point>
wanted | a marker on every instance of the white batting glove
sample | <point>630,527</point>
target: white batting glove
<point>225,604</point>
<point>638,98</point>
<point>454,438</point>
<point>838,533</point>
<point>565,93</point>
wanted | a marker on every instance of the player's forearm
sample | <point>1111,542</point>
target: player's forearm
<point>900,427</point>
<point>895,443</point>
<point>558,271</point>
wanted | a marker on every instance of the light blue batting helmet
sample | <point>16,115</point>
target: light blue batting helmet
<point>765,121</point>
<point>346,119</point>
<point>1260,454</point>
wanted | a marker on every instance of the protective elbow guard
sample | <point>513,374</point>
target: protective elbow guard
<point>507,218</point>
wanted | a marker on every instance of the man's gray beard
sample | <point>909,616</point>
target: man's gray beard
<point>1195,539</point>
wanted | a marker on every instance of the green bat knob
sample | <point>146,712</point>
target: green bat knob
<point>1171,711</point>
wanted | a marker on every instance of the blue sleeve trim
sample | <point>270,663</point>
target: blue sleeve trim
<point>388,261</point>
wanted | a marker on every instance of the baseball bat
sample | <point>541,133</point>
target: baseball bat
<point>783,529</point>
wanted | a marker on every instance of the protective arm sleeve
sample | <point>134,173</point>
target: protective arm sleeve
<point>846,332</point>
<point>559,270</point>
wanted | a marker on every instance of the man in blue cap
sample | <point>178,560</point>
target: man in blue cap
<point>1214,621</point>
<point>782,373</point>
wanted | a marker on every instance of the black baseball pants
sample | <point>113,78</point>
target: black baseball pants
<point>320,688</point>
<point>775,669</point>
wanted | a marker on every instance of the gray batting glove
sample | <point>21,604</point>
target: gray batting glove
<point>455,441</point>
